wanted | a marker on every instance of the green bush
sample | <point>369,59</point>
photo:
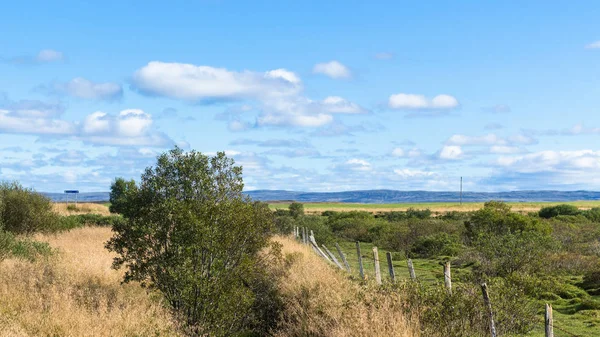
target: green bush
<point>7,240</point>
<point>284,224</point>
<point>30,250</point>
<point>592,214</point>
<point>439,244</point>
<point>296,209</point>
<point>553,211</point>
<point>25,211</point>
<point>464,314</point>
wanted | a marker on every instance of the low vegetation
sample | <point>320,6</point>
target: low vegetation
<point>527,260</point>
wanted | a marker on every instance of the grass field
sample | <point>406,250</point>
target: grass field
<point>312,208</point>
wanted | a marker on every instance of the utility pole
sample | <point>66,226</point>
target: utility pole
<point>461,191</point>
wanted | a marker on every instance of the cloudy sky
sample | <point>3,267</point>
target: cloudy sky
<point>305,95</point>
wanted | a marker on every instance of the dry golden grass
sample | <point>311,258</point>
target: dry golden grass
<point>82,208</point>
<point>322,301</point>
<point>76,293</point>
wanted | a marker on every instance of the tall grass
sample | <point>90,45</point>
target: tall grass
<point>76,293</point>
<point>321,301</point>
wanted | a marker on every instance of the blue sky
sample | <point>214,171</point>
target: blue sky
<point>305,95</point>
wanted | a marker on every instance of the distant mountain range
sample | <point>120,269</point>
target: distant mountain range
<point>380,196</point>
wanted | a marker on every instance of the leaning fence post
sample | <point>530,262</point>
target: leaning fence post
<point>549,322</point>
<point>377,269</point>
<point>447,277</point>
<point>391,266</point>
<point>411,270</point>
<point>333,258</point>
<point>486,299</point>
<point>314,244</point>
<point>342,256</point>
<point>360,263</point>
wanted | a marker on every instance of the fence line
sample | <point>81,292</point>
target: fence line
<point>300,235</point>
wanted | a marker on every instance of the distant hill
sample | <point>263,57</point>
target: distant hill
<point>381,196</point>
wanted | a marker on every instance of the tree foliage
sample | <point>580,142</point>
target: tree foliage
<point>296,209</point>
<point>193,235</point>
<point>23,211</point>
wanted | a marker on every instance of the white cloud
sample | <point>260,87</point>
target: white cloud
<point>336,104</point>
<point>593,45</point>
<point>83,88</point>
<point>398,152</point>
<point>451,152</point>
<point>191,82</point>
<point>333,69</point>
<point>413,101</point>
<point>49,55</point>
<point>14,123</point>
<point>358,165</point>
<point>408,173</point>
<point>551,161</point>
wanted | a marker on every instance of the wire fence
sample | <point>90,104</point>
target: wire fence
<point>304,236</point>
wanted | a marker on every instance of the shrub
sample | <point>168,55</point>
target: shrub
<point>464,314</point>
<point>553,211</point>
<point>193,235</point>
<point>25,211</point>
<point>439,244</point>
<point>30,250</point>
<point>284,224</point>
<point>592,214</point>
<point>7,240</point>
<point>296,209</point>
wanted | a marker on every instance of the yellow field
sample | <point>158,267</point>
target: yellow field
<point>76,293</point>
<point>82,208</point>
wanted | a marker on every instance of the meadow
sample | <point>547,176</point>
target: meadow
<point>436,207</point>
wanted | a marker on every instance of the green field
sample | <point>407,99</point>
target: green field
<point>434,206</point>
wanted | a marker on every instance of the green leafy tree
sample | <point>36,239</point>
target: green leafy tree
<point>192,234</point>
<point>296,209</point>
<point>121,191</point>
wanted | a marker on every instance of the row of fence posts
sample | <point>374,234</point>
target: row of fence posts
<point>302,234</point>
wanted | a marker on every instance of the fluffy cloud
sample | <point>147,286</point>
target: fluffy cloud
<point>196,83</point>
<point>412,101</point>
<point>83,88</point>
<point>129,127</point>
<point>277,94</point>
<point>333,69</point>
<point>451,152</point>
<point>593,45</point>
<point>355,164</point>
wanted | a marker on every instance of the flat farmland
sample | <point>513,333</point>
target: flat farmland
<point>440,207</point>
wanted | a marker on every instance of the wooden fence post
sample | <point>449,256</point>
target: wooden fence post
<point>342,256</point>
<point>377,269</point>
<point>391,266</point>
<point>333,258</point>
<point>411,270</point>
<point>488,305</point>
<point>360,263</point>
<point>448,277</point>
<point>549,322</point>
<point>304,235</point>
<point>314,244</point>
